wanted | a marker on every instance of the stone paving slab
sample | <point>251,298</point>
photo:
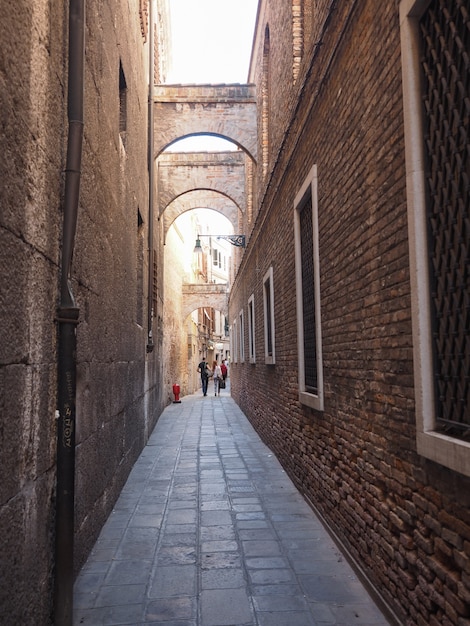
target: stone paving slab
<point>210,531</point>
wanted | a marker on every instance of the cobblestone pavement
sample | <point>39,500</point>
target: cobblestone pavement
<point>210,531</point>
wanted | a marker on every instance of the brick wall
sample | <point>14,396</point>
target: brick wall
<point>405,520</point>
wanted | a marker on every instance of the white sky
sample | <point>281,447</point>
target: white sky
<point>211,40</point>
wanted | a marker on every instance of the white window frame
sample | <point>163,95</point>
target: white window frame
<point>241,334</point>
<point>234,341</point>
<point>448,451</point>
<point>315,401</point>
<point>270,359</point>
<point>251,329</point>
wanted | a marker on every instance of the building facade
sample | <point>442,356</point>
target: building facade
<point>349,313</point>
<point>118,376</point>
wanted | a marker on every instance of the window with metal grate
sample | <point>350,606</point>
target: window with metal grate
<point>445,38</point>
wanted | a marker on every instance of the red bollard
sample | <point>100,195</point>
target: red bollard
<point>176,391</point>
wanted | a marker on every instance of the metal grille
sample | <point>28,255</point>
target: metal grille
<point>308,296</point>
<point>445,31</point>
<point>269,327</point>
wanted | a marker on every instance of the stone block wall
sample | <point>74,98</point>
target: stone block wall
<point>224,110</point>
<point>118,387</point>
<point>32,123</point>
<point>118,392</point>
<point>175,320</point>
<point>403,519</point>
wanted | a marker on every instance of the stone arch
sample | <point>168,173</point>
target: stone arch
<point>226,111</point>
<point>208,295</point>
<point>180,172</point>
<point>200,199</point>
<point>204,134</point>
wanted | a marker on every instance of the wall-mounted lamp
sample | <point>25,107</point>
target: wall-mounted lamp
<point>235,240</point>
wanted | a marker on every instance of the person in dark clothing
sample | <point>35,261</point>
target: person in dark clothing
<point>203,367</point>
<point>223,367</point>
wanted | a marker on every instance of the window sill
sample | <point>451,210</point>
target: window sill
<point>448,451</point>
<point>310,400</point>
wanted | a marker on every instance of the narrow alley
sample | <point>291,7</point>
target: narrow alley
<point>210,531</point>
<point>282,186</point>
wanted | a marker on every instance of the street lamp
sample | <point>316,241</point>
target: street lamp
<point>235,240</point>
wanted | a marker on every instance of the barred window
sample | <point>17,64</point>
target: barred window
<point>251,329</point>
<point>445,35</point>
<point>234,341</point>
<point>241,330</point>
<point>268,301</point>
<point>435,38</point>
<point>308,293</point>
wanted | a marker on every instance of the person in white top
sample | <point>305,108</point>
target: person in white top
<point>217,373</point>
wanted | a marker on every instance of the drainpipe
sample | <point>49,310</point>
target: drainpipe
<point>150,294</point>
<point>67,319</point>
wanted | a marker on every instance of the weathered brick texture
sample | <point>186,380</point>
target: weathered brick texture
<point>404,519</point>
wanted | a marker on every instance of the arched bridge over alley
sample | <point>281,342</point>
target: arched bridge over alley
<point>214,295</point>
<point>204,180</point>
<point>227,111</point>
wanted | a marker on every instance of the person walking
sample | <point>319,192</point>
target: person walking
<point>223,367</point>
<point>217,372</point>
<point>203,367</point>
